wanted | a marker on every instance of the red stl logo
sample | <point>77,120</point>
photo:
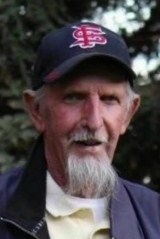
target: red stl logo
<point>88,36</point>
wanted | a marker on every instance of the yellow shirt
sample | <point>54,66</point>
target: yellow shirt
<point>75,218</point>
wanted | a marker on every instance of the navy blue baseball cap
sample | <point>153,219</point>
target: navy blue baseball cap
<point>61,51</point>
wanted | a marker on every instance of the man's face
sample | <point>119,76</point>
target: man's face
<point>84,118</point>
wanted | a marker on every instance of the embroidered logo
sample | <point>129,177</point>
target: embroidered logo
<point>87,36</point>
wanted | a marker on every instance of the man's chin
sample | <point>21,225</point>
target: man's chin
<point>91,177</point>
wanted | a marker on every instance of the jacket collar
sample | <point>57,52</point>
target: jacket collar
<point>124,221</point>
<point>26,209</point>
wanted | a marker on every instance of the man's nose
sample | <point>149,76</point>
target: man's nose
<point>93,113</point>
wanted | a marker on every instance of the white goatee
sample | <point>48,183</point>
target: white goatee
<point>90,176</point>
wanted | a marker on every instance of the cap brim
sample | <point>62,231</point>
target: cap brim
<point>70,64</point>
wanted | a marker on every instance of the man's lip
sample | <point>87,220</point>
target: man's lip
<point>88,143</point>
<point>88,149</point>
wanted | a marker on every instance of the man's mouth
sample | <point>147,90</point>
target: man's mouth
<point>88,139</point>
<point>90,142</point>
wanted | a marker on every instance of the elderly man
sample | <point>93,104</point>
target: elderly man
<point>81,101</point>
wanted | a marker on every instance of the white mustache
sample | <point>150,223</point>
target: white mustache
<point>85,135</point>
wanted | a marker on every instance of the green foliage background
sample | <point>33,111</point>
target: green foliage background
<point>22,25</point>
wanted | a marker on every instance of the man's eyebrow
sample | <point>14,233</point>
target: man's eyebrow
<point>75,91</point>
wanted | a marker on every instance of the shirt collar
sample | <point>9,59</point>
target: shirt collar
<point>58,203</point>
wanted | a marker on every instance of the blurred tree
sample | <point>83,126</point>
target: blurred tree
<point>138,153</point>
<point>23,23</point>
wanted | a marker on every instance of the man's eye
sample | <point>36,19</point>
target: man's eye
<point>73,97</point>
<point>109,99</point>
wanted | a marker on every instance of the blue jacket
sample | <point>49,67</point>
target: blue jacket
<point>135,210</point>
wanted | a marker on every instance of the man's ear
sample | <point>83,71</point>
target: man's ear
<point>134,105</point>
<point>33,109</point>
